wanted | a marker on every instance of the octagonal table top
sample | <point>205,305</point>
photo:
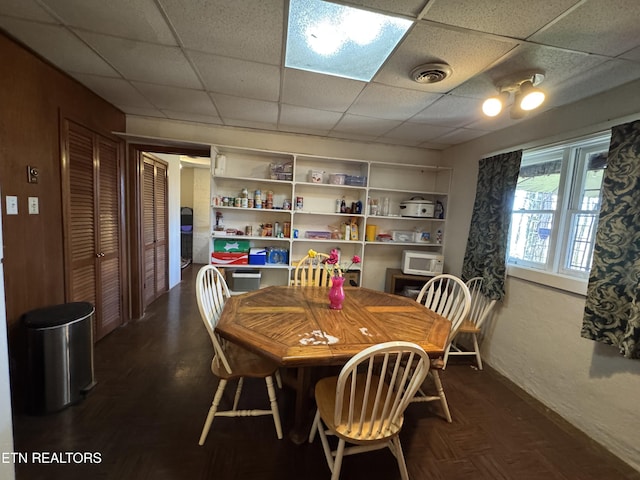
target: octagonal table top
<point>294,326</point>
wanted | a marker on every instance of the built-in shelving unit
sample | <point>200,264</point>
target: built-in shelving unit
<point>302,191</point>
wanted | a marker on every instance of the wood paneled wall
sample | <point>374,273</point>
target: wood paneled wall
<point>33,96</point>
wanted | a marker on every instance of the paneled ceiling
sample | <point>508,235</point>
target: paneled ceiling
<point>221,62</point>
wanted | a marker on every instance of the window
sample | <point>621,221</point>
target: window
<point>556,207</point>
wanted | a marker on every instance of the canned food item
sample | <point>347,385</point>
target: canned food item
<point>250,203</point>
<point>299,203</point>
<point>238,202</point>
<point>248,230</point>
<point>286,229</point>
<point>225,201</point>
<point>245,202</point>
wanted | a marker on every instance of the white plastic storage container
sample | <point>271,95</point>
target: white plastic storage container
<point>244,280</point>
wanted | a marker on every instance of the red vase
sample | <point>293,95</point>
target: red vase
<point>336,294</point>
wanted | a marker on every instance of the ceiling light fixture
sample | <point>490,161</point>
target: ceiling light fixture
<point>526,95</point>
<point>325,37</point>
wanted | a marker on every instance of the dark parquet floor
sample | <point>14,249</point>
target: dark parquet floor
<point>155,385</point>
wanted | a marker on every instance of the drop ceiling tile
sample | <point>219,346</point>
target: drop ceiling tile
<point>450,111</point>
<point>497,16</point>
<point>466,53</point>
<point>114,90</point>
<point>302,117</point>
<point>633,54</point>
<point>190,117</point>
<point>460,135</point>
<point>59,46</point>
<point>142,112</point>
<point>352,136</point>
<point>26,10</point>
<point>416,132</point>
<point>177,99</point>
<point>558,66</point>
<point>243,29</point>
<point>492,124</point>
<point>233,122</point>
<point>329,92</point>
<point>144,62</point>
<point>606,27</point>
<point>400,7</point>
<point>604,77</point>
<point>391,103</point>
<point>246,109</point>
<point>133,19</point>
<point>238,77</point>
<point>368,126</point>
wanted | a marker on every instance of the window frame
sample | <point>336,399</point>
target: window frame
<point>575,155</point>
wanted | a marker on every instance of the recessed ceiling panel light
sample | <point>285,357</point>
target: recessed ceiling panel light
<point>348,42</point>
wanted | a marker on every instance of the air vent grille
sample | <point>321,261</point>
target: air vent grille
<point>431,73</point>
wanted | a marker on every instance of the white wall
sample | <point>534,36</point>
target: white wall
<point>7,470</point>
<point>534,338</point>
<point>201,215</point>
<point>173,176</point>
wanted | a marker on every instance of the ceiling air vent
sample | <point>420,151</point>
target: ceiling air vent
<point>431,72</point>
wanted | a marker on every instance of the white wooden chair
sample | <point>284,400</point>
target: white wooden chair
<point>230,361</point>
<point>448,296</point>
<point>481,307</point>
<point>310,271</point>
<point>364,405</point>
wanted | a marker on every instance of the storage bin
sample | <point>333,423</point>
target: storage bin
<point>316,176</point>
<point>356,180</point>
<point>244,280</point>
<point>257,256</point>
<point>337,178</point>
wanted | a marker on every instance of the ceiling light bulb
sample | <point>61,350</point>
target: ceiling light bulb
<point>530,97</point>
<point>492,106</point>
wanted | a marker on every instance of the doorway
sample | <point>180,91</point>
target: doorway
<point>173,158</point>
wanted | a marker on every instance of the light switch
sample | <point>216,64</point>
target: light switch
<point>12,205</point>
<point>33,206</point>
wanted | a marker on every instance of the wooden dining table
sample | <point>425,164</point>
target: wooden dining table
<point>295,327</point>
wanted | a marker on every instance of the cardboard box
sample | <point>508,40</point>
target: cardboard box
<point>230,246</point>
<point>244,280</point>
<point>223,258</point>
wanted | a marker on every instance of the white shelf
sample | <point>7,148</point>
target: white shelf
<point>250,168</point>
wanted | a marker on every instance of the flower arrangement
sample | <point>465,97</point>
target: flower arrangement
<point>331,262</point>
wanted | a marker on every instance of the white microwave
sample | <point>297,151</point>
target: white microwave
<point>416,262</point>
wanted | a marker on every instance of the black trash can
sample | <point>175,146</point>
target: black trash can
<point>60,356</point>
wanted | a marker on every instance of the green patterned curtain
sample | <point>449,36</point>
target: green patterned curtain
<point>489,231</point>
<point>612,309</point>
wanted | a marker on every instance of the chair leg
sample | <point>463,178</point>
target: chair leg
<point>443,398</point>
<point>274,406</point>
<point>314,426</point>
<point>446,355</point>
<point>278,379</point>
<point>325,445</point>
<point>337,464</point>
<point>236,398</point>
<point>397,451</point>
<point>212,411</point>
<point>477,350</point>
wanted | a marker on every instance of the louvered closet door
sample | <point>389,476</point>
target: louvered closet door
<point>93,209</point>
<point>154,221</point>
<point>82,217</point>
<point>161,227</point>
<point>109,235</point>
